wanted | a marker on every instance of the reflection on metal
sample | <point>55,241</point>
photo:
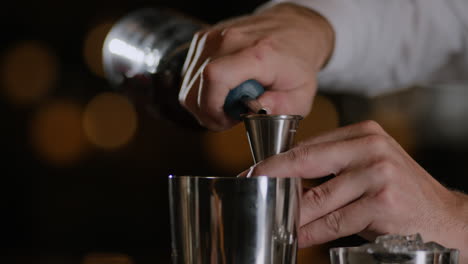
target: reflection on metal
<point>125,50</point>
<point>143,56</point>
<point>234,220</point>
<point>92,47</point>
<point>143,42</point>
<point>255,106</point>
<point>270,134</point>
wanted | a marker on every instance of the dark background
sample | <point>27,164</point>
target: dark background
<point>107,200</point>
<point>114,201</point>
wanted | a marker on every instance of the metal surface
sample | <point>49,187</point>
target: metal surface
<point>143,42</point>
<point>355,255</point>
<point>143,57</point>
<point>270,134</point>
<point>255,106</point>
<point>232,220</point>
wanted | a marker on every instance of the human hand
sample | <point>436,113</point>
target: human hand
<point>282,47</point>
<point>378,189</point>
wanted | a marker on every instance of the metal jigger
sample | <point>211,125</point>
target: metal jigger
<point>270,134</point>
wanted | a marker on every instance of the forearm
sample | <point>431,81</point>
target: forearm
<point>447,223</point>
<point>458,234</point>
<point>385,45</point>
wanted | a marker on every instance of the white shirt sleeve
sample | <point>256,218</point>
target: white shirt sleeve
<point>383,45</point>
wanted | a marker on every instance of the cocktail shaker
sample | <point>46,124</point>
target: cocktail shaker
<point>143,56</point>
<point>229,220</point>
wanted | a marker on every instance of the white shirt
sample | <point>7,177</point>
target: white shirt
<point>383,45</point>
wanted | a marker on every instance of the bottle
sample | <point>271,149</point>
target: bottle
<point>143,55</point>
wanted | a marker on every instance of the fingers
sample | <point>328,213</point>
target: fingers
<point>367,196</point>
<point>296,101</point>
<point>261,62</point>
<point>346,221</point>
<point>315,161</point>
<point>334,194</point>
<point>231,40</point>
<point>206,47</point>
<point>225,73</point>
<point>259,47</point>
<point>330,153</point>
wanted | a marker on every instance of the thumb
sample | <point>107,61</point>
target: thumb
<point>296,101</point>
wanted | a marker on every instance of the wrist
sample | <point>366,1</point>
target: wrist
<point>457,230</point>
<point>326,38</point>
<point>318,27</point>
<point>447,222</point>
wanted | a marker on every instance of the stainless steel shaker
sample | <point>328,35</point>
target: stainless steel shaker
<point>233,220</point>
<point>143,56</point>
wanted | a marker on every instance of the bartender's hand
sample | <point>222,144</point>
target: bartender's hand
<point>282,47</point>
<point>378,189</point>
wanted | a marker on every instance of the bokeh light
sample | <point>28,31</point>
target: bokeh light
<point>323,117</point>
<point>28,71</point>
<point>109,120</point>
<point>397,124</point>
<point>92,47</point>
<point>57,132</point>
<point>106,258</point>
<point>317,253</point>
<point>228,150</point>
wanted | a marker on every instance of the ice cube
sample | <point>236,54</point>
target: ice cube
<point>433,246</point>
<point>399,243</point>
<point>396,249</point>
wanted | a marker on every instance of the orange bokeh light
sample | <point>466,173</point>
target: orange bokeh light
<point>28,71</point>
<point>109,121</point>
<point>397,124</point>
<point>106,258</point>
<point>92,47</point>
<point>228,150</point>
<point>57,132</point>
<point>323,117</point>
<point>313,254</point>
